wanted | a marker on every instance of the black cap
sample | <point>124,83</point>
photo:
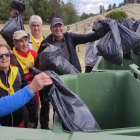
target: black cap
<point>56,21</point>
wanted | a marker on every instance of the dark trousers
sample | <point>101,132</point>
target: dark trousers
<point>88,69</point>
<point>44,112</point>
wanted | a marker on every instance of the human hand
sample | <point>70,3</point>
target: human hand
<point>39,82</point>
<point>14,11</point>
<point>31,125</point>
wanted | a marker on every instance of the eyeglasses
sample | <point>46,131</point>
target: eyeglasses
<point>6,55</point>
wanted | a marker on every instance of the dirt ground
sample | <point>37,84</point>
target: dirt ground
<point>46,32</point>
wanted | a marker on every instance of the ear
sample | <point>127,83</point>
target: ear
<point>51,28</point>
<point>14,42</point>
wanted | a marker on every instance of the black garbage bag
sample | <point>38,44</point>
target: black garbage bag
<point>72,111</point>
<point>128,23</point>
<point>18,5</point>
<point>136,26</point>
<point>14,23</point>
<point>110,46</point>
<point>49,59</point>
<point>101,27</point>
<point>129,39</point>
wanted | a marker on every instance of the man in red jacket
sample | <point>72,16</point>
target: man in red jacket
<point>24,59</point>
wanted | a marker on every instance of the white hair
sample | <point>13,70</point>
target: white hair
<point>35,18</point>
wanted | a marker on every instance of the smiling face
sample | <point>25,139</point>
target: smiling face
<point>35,28</point>
<point>57,31</point>
<point>22,45</point>
<point>4,61</point>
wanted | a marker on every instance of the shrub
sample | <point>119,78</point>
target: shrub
<point>118,15</point>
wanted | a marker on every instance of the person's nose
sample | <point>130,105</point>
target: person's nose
<point>4,57</point>
<point>25,43</point>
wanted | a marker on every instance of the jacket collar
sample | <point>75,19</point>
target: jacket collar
<point>3,73</point>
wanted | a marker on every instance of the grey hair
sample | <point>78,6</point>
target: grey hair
<point>35,18</point>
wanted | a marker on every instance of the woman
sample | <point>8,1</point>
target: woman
<point>10,82</point>
<point>11,103</point>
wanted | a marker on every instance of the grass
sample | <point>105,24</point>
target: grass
<point>45,32</point>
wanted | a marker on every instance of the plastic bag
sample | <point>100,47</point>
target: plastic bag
<point>53,61</point>
<point>18,5</point>
<point>72,111</point>
<point>101,27</point>
<point>13,24</point>
<point>128,23</point>
<point>129,39</point>
<point>110,46</point>
<point>136,26</point>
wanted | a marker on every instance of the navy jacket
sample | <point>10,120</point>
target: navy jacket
<point>72,40</point>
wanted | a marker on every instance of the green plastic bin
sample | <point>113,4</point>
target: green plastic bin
<point>112,97</point>
<point>103,65</point>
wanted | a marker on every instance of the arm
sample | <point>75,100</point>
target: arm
<point>10,103</point>
<point>83,38</point>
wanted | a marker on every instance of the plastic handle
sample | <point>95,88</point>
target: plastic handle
<point>134,68</point>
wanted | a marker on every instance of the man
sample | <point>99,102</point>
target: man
<point>67,42</point>
<point>36,37</point>
<point>91,56</point>
<point>24,59</point>
<point>11,103</point>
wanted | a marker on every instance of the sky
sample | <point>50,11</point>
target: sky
<point>92,6</point>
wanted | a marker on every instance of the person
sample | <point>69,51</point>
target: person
<point>36,37</point>
<point>11,103</point>
<point>66,42</point>
<point>24,58</point>
<point>91,56</point>
<point>10,82</point>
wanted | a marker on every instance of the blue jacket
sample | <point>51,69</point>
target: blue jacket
<point>9,104</point>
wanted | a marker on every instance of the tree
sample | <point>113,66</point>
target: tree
<point>69,15</point>
<point>28,11</point>
<point>5,9</point>
<point>56,9</point>
<point>125,1</point>
<point>84,16</point>
<point>117,15</point>
<point>114,6</point>
<point>42,8</point>
<point>109,7</point>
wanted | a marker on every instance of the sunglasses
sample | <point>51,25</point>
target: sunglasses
<point>6,55</point>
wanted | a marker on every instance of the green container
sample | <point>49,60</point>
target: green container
<point>112,97</point>
<point>102,64</point>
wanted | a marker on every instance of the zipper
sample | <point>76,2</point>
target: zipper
<point>8,95</point>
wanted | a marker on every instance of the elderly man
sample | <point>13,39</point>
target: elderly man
<point>24,59</point>
<point>91,56</point>
<point>67,42</point>
<point>36,37</point>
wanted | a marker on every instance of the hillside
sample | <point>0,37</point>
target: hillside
<point>133,10</point>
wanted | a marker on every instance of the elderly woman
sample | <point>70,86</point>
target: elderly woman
<point>10,82</point>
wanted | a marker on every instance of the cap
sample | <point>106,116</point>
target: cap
<point>19,34</point>
<point>56,21</point>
